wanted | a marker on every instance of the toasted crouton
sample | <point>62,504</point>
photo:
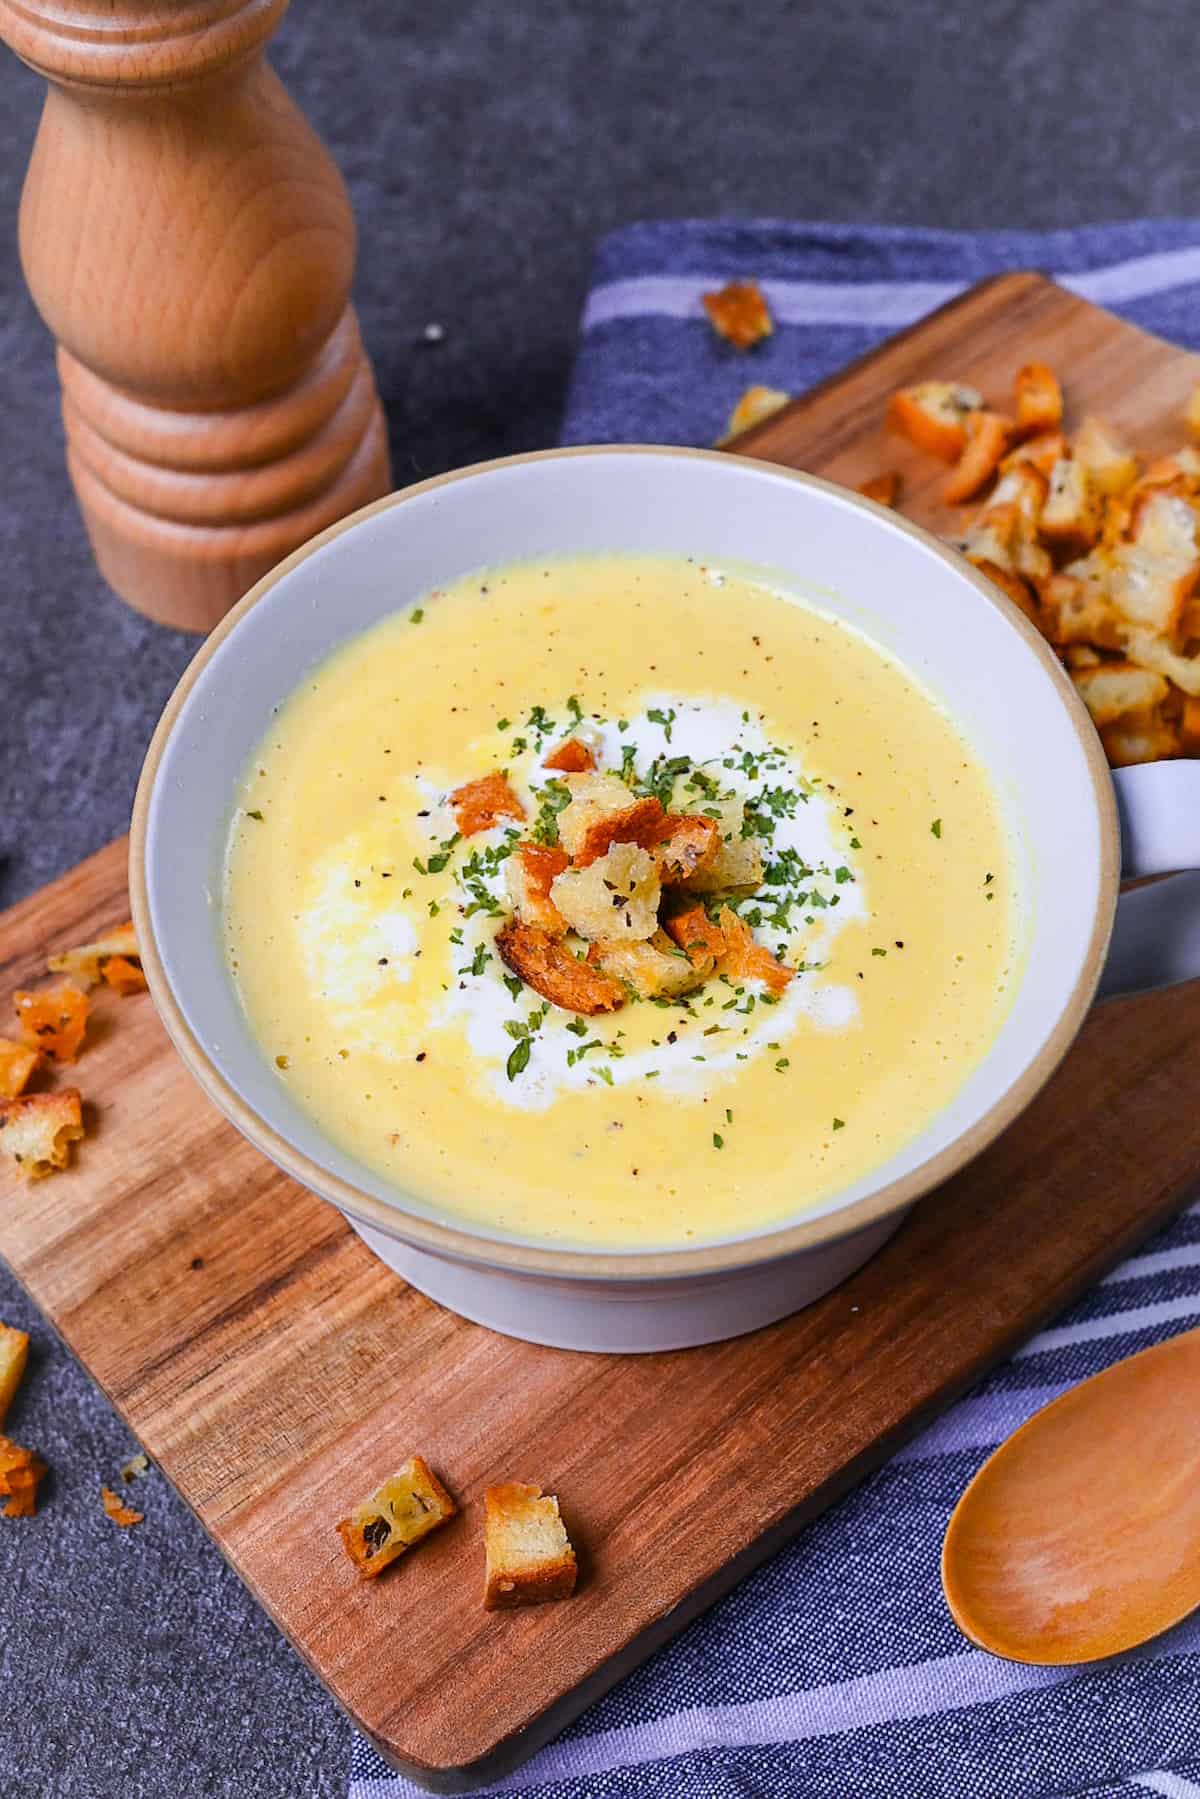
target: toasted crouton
<point>37,1128</point>
<point>738,312</point>
<point>545,964</point>
<point>572,757</point>
<point>991,538</point>
<point>1009,582</point>
<point>124,975</point>
<point>602,811</point>
<point>86,962</point>
<point>1131,741</point>
<point>1071,516</point>
<point>1023,486</point>
<point>1147,650</point>
<point>1165,525</point>
<point>1038,399</point>
<point>593,797</point>
<point>616,896</point>
<point>1179,473</point>
<point>884,489</point>
<point>657,969</point>
<point>689,843</point>
<point>14,1353</point>
<point>988,435</point>
<point>933,416</point>
<point>737,865</point>
<point>478,805</point>
<point>406,1508</point>
<point>529,1555</point>
<point>1082,655</point>
<point>745,958</point>
<point>54,1018</point>
<point>1005,532</point>
<point>1041,453</point>
<point>1151,591</point>
<point>20,1472</point>
<point>528,874</point>
<point>17,1064</point>
<point>1016,507</point>
<point>122,1515</point>
<point>1116,689</point>
<point>1077,607</point>
<point>694,931</point>
<point>756,405</point>
<point>1111,467</point>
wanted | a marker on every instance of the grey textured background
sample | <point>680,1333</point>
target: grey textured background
<point>486,147</point>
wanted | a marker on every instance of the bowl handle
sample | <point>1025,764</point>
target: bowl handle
<point>1156,937</point>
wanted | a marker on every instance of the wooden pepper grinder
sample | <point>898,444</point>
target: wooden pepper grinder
<point>190,244</point>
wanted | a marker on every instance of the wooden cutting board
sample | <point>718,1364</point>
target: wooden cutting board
<point>276,1372</point>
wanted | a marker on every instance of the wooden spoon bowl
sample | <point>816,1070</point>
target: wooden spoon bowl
<point>1080,1537</point>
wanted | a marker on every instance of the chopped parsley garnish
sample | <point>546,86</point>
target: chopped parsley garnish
<point>879,952</point>
<point>782,1064</point>
<point>504,724</point>
<point>255,814</point>
<point>437,863</point>
<point>515,986</point>
<point>518,1059</point>
<point>660,781</point>
<point>839,1124</point>
<point>718,1140</point>
<point>415,617</point>
<point>538,721</point>
<point>575,709</point>
<point>666,719</point>
<point>936,827</point>
<point>552,798</point>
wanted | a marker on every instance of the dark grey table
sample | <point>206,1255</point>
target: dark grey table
<point>486,147</point>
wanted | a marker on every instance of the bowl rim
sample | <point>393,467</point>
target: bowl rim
<point>458,1243</point>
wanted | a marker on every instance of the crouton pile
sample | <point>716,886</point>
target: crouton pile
<point>622,898</point>
<point>1100,550</point>
<point>37,1129</point>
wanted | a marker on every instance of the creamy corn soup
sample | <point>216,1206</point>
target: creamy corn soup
<point>748,932</point>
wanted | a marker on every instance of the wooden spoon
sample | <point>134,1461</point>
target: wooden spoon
<point>1080,1537</point>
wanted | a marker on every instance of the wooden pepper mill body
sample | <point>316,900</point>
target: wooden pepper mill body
<point>190,244</point>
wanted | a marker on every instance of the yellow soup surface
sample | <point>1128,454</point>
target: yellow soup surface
<point>362,925</point>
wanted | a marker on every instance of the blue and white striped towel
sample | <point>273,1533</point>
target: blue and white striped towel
<point>835,1672</point>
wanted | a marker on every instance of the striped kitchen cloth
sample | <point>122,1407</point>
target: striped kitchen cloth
<point>835,1672</point>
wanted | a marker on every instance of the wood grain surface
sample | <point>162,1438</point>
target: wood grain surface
<point>277,1372</point>
<point>190,244</point>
